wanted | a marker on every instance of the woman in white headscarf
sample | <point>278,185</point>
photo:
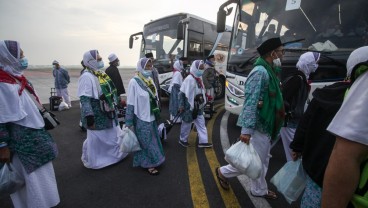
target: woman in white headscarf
<point>142,115</point>
<point>98,99</point>
<point>295,91</point>
<point>191,102</point>
<point>174,89</point>
<point>23,140</point>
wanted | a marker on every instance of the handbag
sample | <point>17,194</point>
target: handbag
<point>244,158</point>
<point>128,141</point>
<point>10,180</point>
<point>50,119</point>
<point>290,180</point>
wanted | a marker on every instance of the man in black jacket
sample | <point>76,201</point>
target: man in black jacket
<point>114,74</point>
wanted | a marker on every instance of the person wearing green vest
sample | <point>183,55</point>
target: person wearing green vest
<point>343,171</point>
<point>262,115</point>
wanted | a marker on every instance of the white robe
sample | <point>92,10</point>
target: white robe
<point>101,148</point>
<point>139,98</point>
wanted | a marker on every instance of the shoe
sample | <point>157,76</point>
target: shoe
<point>270,195</point>
<point>223,182</point>
<point>184,144</point>
<point>153,171</point>
<point>204,145</point>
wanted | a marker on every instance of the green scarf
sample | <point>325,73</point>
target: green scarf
<point>272,113</point>
<point>149,83</point>
<point>360,70</point>
<point>107,86</point>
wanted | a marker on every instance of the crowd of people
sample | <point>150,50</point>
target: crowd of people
<point>331,128</point>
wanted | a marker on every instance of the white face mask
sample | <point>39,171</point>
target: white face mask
<point>314,67</point>
<point>277,62</point>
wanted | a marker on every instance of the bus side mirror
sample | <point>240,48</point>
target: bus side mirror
<point>221,19</point>
<point>131,42</point>
<point>180,32</point>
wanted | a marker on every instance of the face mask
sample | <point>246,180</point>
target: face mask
<point>147,73</point>
<point>118,63</point>
<point>199,73</point>
<point>314,67</point>
<point>100,64</point>
<point>276,62</point>
<point>23,63</point>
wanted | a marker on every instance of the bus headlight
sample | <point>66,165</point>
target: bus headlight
<point>234,90</point>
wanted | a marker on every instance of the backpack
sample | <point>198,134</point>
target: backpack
<point>295,110</point>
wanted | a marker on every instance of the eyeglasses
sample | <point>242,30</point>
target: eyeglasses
<point>282,51</point>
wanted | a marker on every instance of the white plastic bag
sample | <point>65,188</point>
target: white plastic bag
<point>290,180</point>
<point>10,180</point>
<point>128,141</point>
<point>63,106</point>
<point>244,158</point>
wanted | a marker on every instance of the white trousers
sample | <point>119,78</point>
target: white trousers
<point>261,143</point>
<point>64,93</point>
<point>200,124</point>
<point>287,136</point>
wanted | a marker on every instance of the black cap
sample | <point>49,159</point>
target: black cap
<point>149,55</point>
<point>269,45</point>
<point>210,56</point>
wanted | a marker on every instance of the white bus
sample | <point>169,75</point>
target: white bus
<point>333,27</point>
<point>183,35</point>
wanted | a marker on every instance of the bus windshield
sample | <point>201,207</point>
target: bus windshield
<point>334,26</point>
<point>160,38</point>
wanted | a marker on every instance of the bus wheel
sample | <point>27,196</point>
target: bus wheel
<point>219,87</point>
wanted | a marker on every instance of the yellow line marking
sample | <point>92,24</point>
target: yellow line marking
<point>198,192</point>
<point>197,189</point>
<point>228,196</point>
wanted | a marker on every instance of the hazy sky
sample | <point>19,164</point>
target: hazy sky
<point>65,29</point>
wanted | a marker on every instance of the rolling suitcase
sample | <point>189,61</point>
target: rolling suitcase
<point>54,100</point>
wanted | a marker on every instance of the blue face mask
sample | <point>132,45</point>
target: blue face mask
<point>100,64</point>
<point>23,63</point>
<point>147,73</point>
<point>199,73</point>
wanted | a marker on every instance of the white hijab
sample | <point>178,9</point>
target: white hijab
<point>307,63</point>
<point>9,62</point>
<point>177,77</point>
<point>139,97</point>
<point>190,87</point>
<point>178,66</point>
<point>15,108</point>
<point>88,84</point>
<point>90,59</point>
<point>358,56</point>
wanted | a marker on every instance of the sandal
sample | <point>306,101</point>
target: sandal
<point>223,183</point>
<point>153,171</point>
<point>270,195</point>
